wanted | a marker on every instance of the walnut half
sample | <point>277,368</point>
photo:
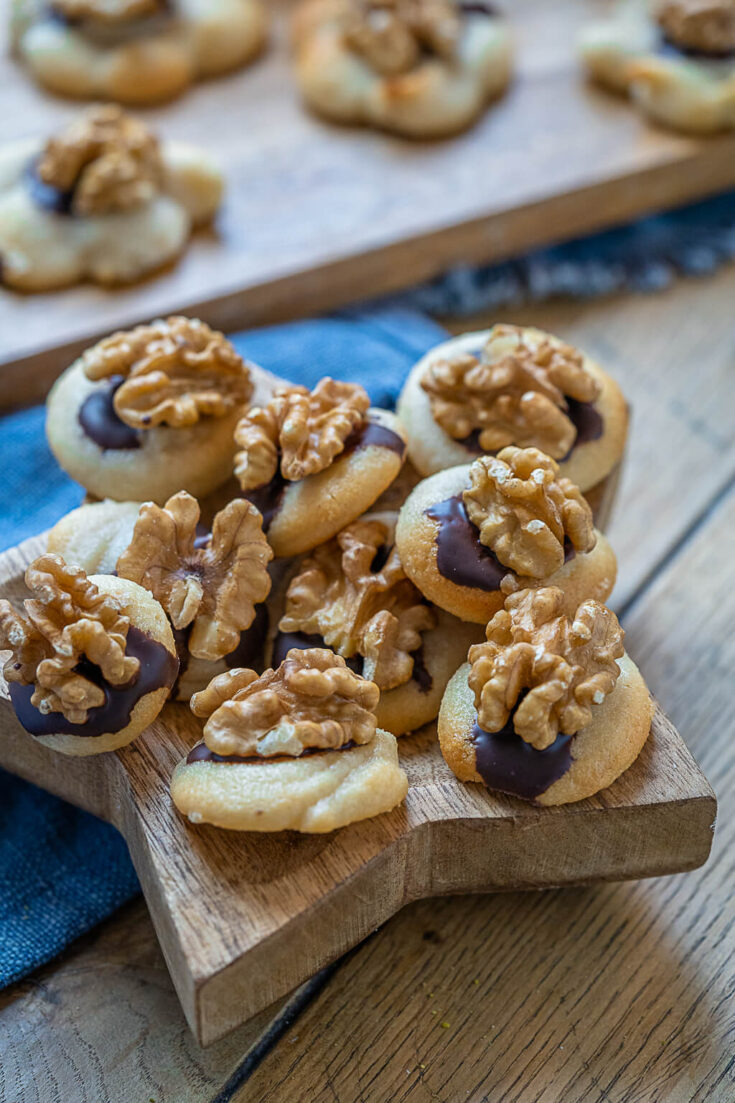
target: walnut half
<point>303,430</point>
<point>109,160</point>
<point>313,700</point>
<point>213,586</point>
<point>107,12</point>
<point>68,621</point>
<point>705,25</point>
<point>392,35</point>
<point>544,669</point>
<point>525,511</point>
<point>514,392</point>
<point>357,610</point>
<point>176,371</point>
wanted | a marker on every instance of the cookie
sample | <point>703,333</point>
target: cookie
<point>352,595</point>
<point>470,535</point>
<point>134,51</point>
<point>102,201</point>
<point>677,62</point>
<point>151,411</point>
<point>92,658</point>
<point>418,68</point>
<point>551,710</point>
<point>480,392</point>
<point>313,461</point>
<point>296,749</point>
<point>211,579</point>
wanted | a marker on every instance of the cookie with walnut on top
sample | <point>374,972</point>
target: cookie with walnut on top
<point>133,51</point>
<point>103,200</point>
<point>470,535</point>
<point>352,595</point>
<point>92,659</point>
<point>151,411</point>
<point>551,708</point>
<point>312,461</point>
<point>295,749</point>
<point>419,68</point>
<point>211,579</point>
<point>674,58</point>
<point>481,392</point>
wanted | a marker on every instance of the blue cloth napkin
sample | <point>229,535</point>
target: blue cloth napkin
<point>61,869</point>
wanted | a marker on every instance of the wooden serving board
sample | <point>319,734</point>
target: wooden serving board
<point>316,215</point>
<point>244,918</point>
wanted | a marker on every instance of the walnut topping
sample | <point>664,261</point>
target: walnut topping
<point>514,392</point>
<point>305,429</point>
<point>392,35</point>
<point>69,621</point>
<point>107,159</point>
<point>704,25</point>
<point>176,372</point>
<point>524,511</point>
<point>543,669</point>
<point>312,700</point>
<point>107,12</point>
<point>378,614</point>
<point>212,588</point>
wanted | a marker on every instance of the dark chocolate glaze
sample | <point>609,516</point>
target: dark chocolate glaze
<point>46,195</point>
<point>667,48</point>
<point>202,753</point>
<point>284,641</point>
<point>479,7</point>
<point>461,557</point>
<point>101,424</point>
<point>584,416</point>
<point>267,498</point>
<point>158,669</point>
<point>507,763</point>
<point>421,675</point>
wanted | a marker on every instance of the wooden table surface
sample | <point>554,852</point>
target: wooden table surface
<point>618,992</point>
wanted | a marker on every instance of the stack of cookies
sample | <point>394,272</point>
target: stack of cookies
<point>318,578</point>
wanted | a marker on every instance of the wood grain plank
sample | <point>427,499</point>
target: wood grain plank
<point>619,992</point>
<point>674,356</point>
<point>303,230</point>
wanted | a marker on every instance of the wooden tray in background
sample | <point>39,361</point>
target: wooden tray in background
<point>243,918</point>
<point>317,215</point>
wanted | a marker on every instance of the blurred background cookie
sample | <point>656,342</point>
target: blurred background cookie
<point>133,51</point>
<point>103,200</point>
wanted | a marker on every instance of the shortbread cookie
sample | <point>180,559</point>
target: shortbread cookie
<point>296,749</point>
<point>102,201</point>
<point>211,580</point>
<point>134,51</point>
<point>550,709</point>
<point>352,595</point>
<point>150,411</point>
<point>92,658</point>
<point>312,461</point>
<point>482,391</point>
<point>675,58</point>
<point>420,68</point>
<point>470,535</point>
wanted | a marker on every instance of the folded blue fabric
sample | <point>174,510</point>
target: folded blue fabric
<point>62,870</point>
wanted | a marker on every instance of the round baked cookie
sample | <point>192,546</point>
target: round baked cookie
<point>421,70</point>
<point>112,459</point>
<point>677,63</point>
<point>302,514</point>
<point>575,767</point>
<point>601,427</point>
<point>313,794</point>
<point>442,554</point>
<point>129,708</point>
<point>134,51</point>
<point>57,229</point>
<point>95,535</point>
